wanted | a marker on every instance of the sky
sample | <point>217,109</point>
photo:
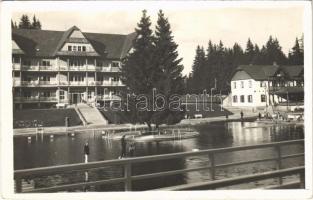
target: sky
<point>191,26</point>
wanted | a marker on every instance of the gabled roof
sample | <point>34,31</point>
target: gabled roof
<point>259,72</point>
<point>263,72</point>
<point>46,43</point>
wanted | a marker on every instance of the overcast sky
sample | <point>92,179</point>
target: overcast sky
<point>190,26</point>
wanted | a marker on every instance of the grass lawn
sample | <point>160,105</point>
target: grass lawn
<point>45,117</point>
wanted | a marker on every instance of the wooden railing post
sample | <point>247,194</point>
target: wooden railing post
<point>302,180</point>
<point>279,165</point>
<point>18,185</point>
<point>212,169</point>
<point>127,175</point>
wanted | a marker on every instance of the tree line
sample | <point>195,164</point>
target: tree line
<point>213,67</point>
<point>25,23</point>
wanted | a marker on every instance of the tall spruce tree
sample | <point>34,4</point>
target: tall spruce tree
<point>296,56</point>
<point>199,62</point>
<point>24,22</point>
<point>249,52</point>
<point>139,73</point>
<point>170,80</point>
<point>36,23</point>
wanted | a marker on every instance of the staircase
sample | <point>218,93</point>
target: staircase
<point>91,114</point>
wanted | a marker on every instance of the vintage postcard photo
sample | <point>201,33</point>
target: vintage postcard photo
<point>112,98</point>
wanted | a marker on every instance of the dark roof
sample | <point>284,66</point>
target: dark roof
<point>259,72</point>
<point>263,72</point>
<point>293,70</point>
<point>46,43</point>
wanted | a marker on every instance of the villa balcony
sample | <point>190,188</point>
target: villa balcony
<point>35,99</point>
<point>16,66</point>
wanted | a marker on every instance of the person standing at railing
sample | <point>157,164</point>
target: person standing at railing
<point>131,149</point>
<point>241,115</point>
<point>123,145</point>
<point>86,152</point>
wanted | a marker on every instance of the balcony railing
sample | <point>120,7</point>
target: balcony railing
<point>35,99</point>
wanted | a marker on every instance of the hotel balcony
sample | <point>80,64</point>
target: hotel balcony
<point>38,68</point>
<point>17,83</point>
<point>34,83</point>
<point>16,66</point>
<point>108,97</point>
<point>35,99</point>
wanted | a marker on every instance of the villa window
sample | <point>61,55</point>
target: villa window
<point>250,100</point>
<point>79,48</point>
<point>61,94</point>
<point>250,84</point>
<point>242,98</point>
<point>16,60</point>
<point>115,64</point>
<point>242,84</point>
<point>74,48</point>
<point>263,98</point>
<point>69,48</point>
<point>84,48</point>
<point>45,63</point>
<point>235,98</point>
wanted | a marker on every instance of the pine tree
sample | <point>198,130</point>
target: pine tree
<point>296,56</point>
<point>139,73</point>
<point>166,59</point>
<point>198,66</point>
<point>36,23</point>
<point>24,22</point>
<point>249,52</point>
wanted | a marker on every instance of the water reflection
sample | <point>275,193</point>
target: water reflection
<point>63,149</point>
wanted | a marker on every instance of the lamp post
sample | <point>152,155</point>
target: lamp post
<point>212,94</point>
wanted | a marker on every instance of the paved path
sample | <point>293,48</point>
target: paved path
<point>32,131</point>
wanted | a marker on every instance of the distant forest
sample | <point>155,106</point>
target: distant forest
<point>25,23</point>
<point>216,64</point>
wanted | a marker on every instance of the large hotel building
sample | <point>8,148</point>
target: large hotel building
<point>56,68</point>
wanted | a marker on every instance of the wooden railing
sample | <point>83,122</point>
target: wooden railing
<point>128,163</point>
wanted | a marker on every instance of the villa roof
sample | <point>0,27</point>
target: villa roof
<point>263,72</point>
<point>46,43</point>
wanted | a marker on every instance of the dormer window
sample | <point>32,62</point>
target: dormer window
<point>115,64</point>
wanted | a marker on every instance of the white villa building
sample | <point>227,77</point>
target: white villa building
<point>267,85</point>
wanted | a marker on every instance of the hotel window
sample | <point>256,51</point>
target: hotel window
<point>74,48</point>
<point>45,94</point>
<point>26,62</point>
<point>61,94</point>
<point>242,84</point>
<point>250,84</point>
<point>69,48</point>
<point>84,48</point>
<point>250,98</point>
<point>234,85</point>
<point>263,98</point>
<point>242,98</point>
<point>77,78</point>
<point>235,99</point>
<point>45,78</point>
<point>16,74</point>
<point>79,48</point>
<point>27,94</point>
<point>89,94</point>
